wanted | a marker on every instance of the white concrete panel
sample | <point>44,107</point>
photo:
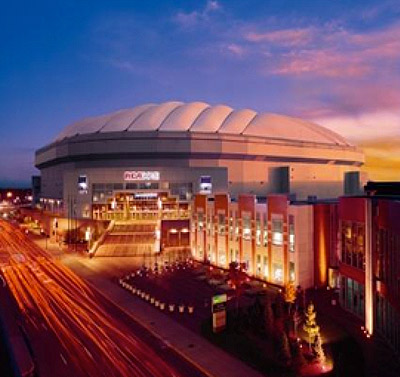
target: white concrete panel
<point>151,119</point>
<point>237,121</point>
<point>282,127</point>
<point>121,120</point>
<point>211,119</point>
<point>73,128</point>
<point>95,124</point>
<point>182,118</point>
<point>330,135</point>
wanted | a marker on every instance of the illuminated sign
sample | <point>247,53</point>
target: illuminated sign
<point>145,195</point>
<point>142,175</point>
<point>82,184</point>
<point>219,299</point>
<point>218,308</point>
<point>205,184</point>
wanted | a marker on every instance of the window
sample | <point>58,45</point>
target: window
<point>292,275</point>
<point>246,227</point>
<point>265,267</point>
<point>265,238</point>
<point>277,232</point>
<point>222,258</point>
<point>221,224</point>
<point>200,220</point>
<point>277,272</point>
<point>258,230</point>
<point>353,247</point>
<point>291,238</point>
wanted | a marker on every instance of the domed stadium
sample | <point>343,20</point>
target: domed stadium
<point>185,148</point>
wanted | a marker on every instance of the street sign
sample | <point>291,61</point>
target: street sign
<point>218,308</point>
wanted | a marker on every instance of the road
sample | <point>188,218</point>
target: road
<point>74,330</point>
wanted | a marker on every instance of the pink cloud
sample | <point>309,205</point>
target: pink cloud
<point>329,51</point>
<point>328,63</point>
<point>236,49</point>
<point>285,37</point>
<point>344,98</point>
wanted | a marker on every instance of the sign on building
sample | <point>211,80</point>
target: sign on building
<point>139,175</point>
<point>218,307</point>
<point>205,184</point>
<point>82,184</point>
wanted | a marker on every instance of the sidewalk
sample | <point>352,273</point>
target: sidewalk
<point>208,358</point>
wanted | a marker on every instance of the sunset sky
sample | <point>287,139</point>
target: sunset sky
<point>333,62</point>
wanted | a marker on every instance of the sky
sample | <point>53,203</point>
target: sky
<point>336,63</point>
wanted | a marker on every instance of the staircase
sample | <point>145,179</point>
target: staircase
<point>128,239</point>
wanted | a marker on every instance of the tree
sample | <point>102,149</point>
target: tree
<point>279,306</point>
<point>310,326</point>
<point>282,347</point>
<point>255,313</point>
<point>290,294</point>
<point>296,321</point>
<point>319,351</point>
<point>300,298</point>
<point>297,355</point>
<point>237,277</point>
<point>268,317</point>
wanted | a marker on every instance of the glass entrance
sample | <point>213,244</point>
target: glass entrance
<point>139,205</point>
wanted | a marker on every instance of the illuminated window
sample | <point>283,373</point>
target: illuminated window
<point>277,229</point>
<point>200,220</point>
<point>258,264</point>
<point>277,272</point>
<point>291,238</point>
<point>222,258</point>
<point>258,230</point>
<point>258,237</point>
<point>292,275</point>
<point>265,238</point>
<point>246,227</point>
<point>221,224</point>
<point>265,266</point>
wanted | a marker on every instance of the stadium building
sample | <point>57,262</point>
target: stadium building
<point>127,164</point>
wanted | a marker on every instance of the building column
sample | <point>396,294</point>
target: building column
<point>369,279</point>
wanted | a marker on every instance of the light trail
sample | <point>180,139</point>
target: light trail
<point>52,297</point>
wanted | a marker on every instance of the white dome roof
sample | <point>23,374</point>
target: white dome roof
<point>200,117</point>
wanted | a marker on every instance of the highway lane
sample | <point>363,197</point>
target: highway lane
<point>71,328</point>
